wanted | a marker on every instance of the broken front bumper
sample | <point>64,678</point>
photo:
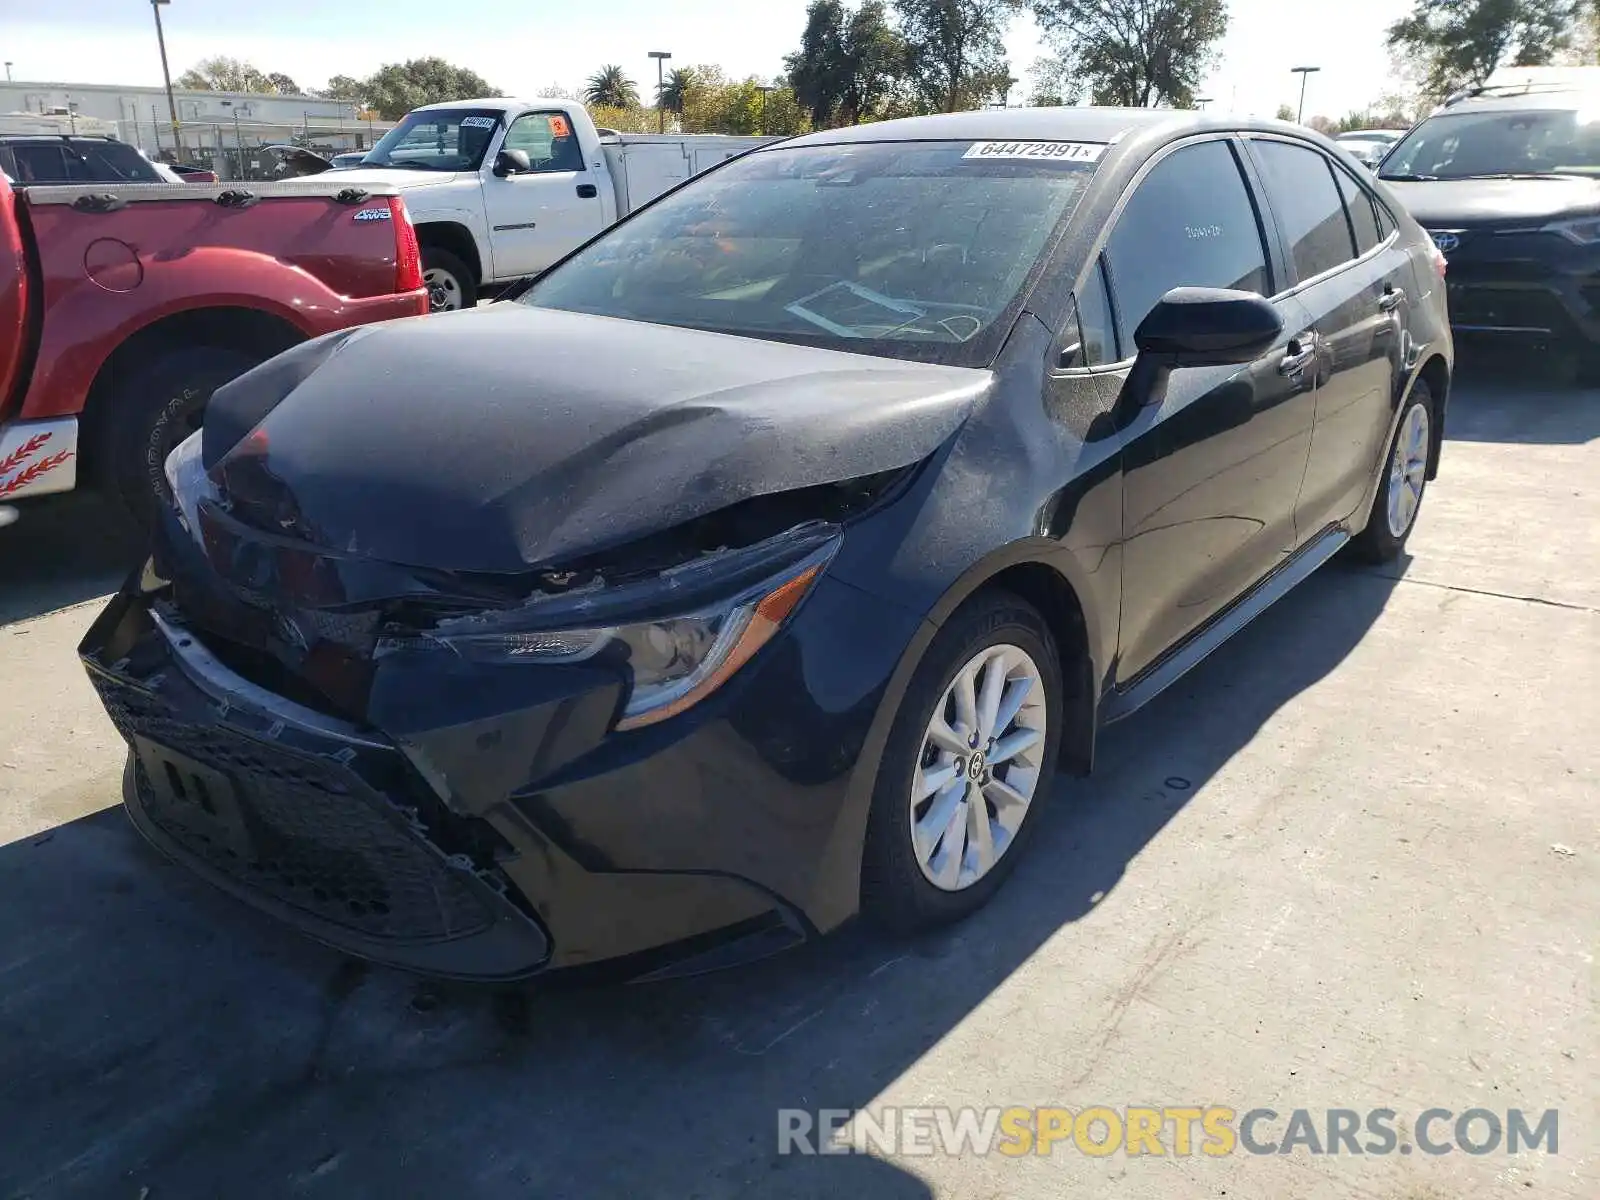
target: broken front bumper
<point>299,814</point>
<point>683,850</point>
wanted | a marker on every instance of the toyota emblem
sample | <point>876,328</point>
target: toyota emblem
<point>1446,242</point>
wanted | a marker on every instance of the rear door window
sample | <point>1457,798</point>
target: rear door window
<point>1309,208</point>
<point>1189,223</point>
<point>41,162</point>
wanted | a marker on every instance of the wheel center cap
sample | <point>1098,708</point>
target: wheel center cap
<point>976,766</point>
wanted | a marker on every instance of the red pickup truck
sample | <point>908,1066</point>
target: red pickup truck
<point>122,307</point>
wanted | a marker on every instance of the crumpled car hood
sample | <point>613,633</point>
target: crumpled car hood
<point>512,437</point>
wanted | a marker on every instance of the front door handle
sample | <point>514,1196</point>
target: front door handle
<point>1391,299</point>
<point>587,191</point>
<point>1302,350</point>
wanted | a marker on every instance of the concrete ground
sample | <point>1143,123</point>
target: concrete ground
<point>1352,862</point>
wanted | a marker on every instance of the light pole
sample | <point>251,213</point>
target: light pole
<point>238,139</point>
<point>8,70</point>
<point>766,89</point>
<point>661,57</point>
<point>166,74</point>
<point>1304,73</point>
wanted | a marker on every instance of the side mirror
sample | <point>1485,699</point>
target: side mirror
<point>1200,327</point>
<point>511,162</point>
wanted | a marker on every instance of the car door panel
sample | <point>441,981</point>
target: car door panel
<point>1354,295</point>
<point>1211,472</point>
<point>537,216</point>
<point>1211,477</point>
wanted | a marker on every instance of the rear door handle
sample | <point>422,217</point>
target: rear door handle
<point>587,191</point>
<point>1302,350</point>
<point>1391,299</point>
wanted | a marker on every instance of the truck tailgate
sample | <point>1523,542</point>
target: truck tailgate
<point>343,236</point>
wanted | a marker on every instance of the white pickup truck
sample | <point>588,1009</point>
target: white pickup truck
<point>499,189</point>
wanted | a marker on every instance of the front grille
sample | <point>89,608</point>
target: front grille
<point>303,831</point>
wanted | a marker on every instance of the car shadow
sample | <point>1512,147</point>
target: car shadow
<point>1501,398</point>
<point>62,552</point>
<point>154,1034</point>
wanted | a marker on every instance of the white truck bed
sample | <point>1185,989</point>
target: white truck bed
<point>643,165</point>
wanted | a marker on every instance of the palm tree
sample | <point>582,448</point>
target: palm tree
<point>675,90</point>
<point>611,87</point>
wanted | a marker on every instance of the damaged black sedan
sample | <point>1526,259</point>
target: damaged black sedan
<point>762,562</point>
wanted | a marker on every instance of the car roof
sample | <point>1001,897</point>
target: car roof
<point>56,138</point>
<point>494,102</point>
<point>1522,100</point>
<point>1029,124</point>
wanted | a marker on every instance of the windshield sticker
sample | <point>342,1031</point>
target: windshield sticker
<point>477,122</point>
<point>559,126</point>
<point>1055,151</point>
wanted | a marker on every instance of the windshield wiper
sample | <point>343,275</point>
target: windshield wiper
<point>1408,178</point>
<point>415,163</point>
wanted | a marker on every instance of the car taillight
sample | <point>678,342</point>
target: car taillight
<point>407,253</point>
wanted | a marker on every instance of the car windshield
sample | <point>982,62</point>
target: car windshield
<point>441,139</point>
<point>1473,145</point>
<point>919,250</point>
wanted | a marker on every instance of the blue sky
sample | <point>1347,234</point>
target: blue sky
<point>521,45</point>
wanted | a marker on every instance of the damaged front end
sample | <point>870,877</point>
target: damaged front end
<point>374,752</point>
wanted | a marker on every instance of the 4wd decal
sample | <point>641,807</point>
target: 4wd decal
<point>373,214</point>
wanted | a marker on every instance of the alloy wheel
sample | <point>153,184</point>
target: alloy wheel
<point>1408,469</point>
<point>979,767</point>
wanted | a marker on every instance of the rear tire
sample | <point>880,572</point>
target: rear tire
<point>1401,486</point>
<point>152,409</point>
<point>450,281</point>
<point>904,885</point>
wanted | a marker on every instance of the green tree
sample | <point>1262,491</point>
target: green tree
<point>1050,83</point>
<point>611,86</point>
<point>875,59</point>
<point>782,114</point>
<point>1285,112</point>
<point>396,88</point>
<point>224,74</point>
<point>817,71</point>
<point>1136,52</point>
<point>346,88</point>
<point>284,85</point>
<point>675,88</point>
<point>955,50</point>
<point>1461,42</point>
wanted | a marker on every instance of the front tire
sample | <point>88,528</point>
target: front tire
<point>152,409</point>
<point>970,757</point>
<point>450,282</point>
<point>1405,477</point>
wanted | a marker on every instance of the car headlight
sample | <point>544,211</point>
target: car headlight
<point>673,660</point>
<point>1585,231</point>
<point>187,481</point>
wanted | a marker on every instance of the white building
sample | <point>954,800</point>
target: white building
<point>209,122</point>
